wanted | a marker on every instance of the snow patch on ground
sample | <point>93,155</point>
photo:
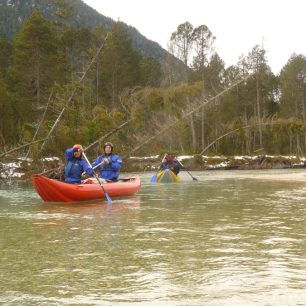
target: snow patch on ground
<point>144,158</point>
<point>48,159</point>
<point>15,169</point>
<point>10,170</point>
<point>245,157</point>
<point>29,160</point>
<point>220,165</point>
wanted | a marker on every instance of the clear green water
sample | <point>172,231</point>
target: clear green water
<point>227,239</point>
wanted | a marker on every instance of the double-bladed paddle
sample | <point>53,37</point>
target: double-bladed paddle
<point>154,176</point>
<point>195,179</point>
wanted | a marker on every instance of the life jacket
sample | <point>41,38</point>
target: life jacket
<point>109,171</point>
<point>73,171</point>
<point>173,166</point>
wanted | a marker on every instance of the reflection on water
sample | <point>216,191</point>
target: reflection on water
<point>226,239</point>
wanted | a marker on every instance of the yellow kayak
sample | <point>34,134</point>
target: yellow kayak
<point>167,176</point>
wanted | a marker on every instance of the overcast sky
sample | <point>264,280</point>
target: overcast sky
<point>277,25</point>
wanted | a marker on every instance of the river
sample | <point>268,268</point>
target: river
<point>231,238</point>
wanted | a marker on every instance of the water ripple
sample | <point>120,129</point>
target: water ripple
<point>224,240</point>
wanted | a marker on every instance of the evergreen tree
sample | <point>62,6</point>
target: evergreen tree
<point>150,72</point>
<point>35,59</point>
<point>63,11</point>
<point>5,56</point>
<point>34,69</point>
<point>118,66</point>
<point>183,39</point>
<point>293,93</point>
<point>9,117</point>
<point>203,41</point>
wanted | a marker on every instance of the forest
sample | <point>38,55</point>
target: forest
<point>60,85</point>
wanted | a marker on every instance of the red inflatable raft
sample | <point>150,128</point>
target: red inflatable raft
<point>51,190</point>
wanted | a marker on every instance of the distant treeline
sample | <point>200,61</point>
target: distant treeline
<point>189,110</point>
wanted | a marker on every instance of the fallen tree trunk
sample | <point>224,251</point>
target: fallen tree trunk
<point>21,147</point>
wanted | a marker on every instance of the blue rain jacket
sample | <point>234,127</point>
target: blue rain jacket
<point>173,166</point>
<point>75,167</point>
<point>109,171</point>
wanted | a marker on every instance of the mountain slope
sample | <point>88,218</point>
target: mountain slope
<point>14,12</point>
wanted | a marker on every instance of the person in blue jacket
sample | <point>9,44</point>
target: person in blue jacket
<point>170,162</point>
<point>75,165</point>
<point>108,164</point>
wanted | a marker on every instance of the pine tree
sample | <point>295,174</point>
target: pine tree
<point>118,66</point>
<point>35,59</point>
<point>8,117</point>
<point>5,56</point>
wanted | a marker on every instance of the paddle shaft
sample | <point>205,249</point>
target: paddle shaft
<point>97,178</point>
<point>154,177</point>
<point>96,166</point>
<point>195,179</point>
<point>164,157</point>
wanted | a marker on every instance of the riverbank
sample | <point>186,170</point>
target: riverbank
<point>202,162</point>
<point>21,169</point>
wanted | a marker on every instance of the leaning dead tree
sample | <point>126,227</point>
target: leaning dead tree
<point>75,89</point>
<point>150,139</point>
<point>234,131</point>
<point>108,134</point>
<point>21,147</point>
<point>187,115</point>
<point>40,123</point>
<point>113,131</point>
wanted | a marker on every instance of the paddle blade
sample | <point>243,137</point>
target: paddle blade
<point>109,200</point>
<point>154,178</point>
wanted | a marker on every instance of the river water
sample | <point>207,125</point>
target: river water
<point>231,238</point>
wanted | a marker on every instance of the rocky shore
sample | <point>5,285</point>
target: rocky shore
<point>21,169</point>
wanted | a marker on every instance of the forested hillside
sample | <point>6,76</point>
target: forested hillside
<point>61,85</point>
<point>13,13</point>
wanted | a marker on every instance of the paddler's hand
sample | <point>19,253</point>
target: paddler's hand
<point>84,175</point>
<point>80,150</point>
<point>106,161</point>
